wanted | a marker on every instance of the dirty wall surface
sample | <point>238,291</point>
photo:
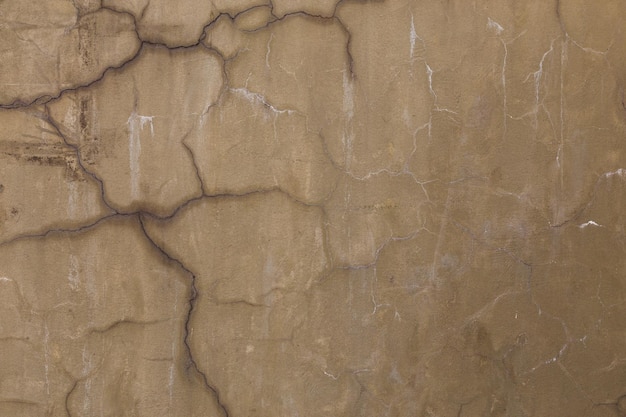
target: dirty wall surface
<point>312,208</point>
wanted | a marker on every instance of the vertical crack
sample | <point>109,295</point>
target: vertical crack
<point>196,168</point>
<point>193,296</point>
<point>67,397</point>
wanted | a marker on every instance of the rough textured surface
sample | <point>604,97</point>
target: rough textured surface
<point>312,208</point>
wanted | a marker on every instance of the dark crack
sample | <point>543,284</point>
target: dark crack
<point>101,184</point>
<point>48,118</point>
<point>66,402</point>
<point>193,296</point>
<point>317,17</point>
<point>560,17</point>
<point>46,98</point>
<point>19,401</point>
<point>49,232</point>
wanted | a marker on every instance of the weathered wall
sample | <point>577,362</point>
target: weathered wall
<point>312,208</point>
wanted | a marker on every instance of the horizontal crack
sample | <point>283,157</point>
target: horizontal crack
<point>62,230</point>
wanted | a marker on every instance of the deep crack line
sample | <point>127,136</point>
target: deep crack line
<point>192,303</point>
<point>49,232</point>
<point>76,148</point>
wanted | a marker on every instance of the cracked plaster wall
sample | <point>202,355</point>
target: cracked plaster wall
<point>312,208</point>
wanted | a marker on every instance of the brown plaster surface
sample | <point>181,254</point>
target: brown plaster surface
<point>312,208</point>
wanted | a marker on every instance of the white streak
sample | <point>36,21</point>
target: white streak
<point>46,357</point>
<point>73,276</point>
<point>269,49</point>
<point>492,24</point>
<point>412,36</point>
<point>429,71</point>
<point>562,109</point>
<point>136,124</point>
<point>621,172</point>
<point>506,54</point>
<point>589,223</point>
<point>539,73</point>
<point>170,386</point>
<point>86,368</point>
<point>258,98</point>
<point>348,110</point>
<point>71,199</point>
<point>328,374</point>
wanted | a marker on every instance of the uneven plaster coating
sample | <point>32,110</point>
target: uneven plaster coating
<point>352,208</point>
